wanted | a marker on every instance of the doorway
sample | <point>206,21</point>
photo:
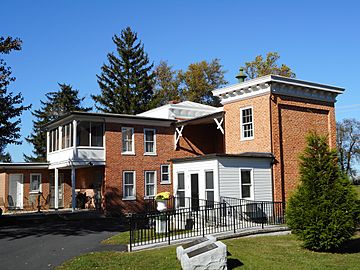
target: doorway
<point>61,190</point>
<point>16,190</point>
<point>194,177</point>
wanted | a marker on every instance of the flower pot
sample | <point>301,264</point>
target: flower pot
<point>161,205</point>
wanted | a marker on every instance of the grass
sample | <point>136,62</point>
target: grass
<point>357,188</point>
<point>118,239</point>
<point>266,252</point>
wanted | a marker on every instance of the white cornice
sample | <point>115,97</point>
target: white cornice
<point>286,86</point>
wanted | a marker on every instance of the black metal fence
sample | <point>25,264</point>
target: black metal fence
<point>204,219</point>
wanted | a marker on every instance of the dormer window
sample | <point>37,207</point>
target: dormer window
<point>247,123</point>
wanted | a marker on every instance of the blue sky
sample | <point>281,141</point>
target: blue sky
<point>67,41</point>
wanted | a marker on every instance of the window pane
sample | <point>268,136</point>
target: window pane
<point>165,168</point>
<point>149,135</point>
<point>181,181</point>
<point>97,134</point>
<point>129,191</point>
<point>35,183</point>
<point>150,177</point>
<point>245,191</point>
<point>127,134</point>
<point>245,177</point>
<point>149,147</point>
<point>150,190</point>
<point>209,180</point>
<point>56,139</point>
<point>181,198</point>
<point>129,178</point>
<point>83,133</point>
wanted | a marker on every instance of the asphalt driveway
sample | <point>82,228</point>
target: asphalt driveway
<point>46,243</point>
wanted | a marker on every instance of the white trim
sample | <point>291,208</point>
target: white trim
<point>178,134</point>
<point>155,184</point>
<point>219,124</point>
<point>132,152</point>
<point>40,183</point>
<point>161,174</point>
<point>154,152</point>
<point>206,189</point>
<point>251,182</point>
<point>134,185</point>
<point>176,187</point>
<point>242,138</point>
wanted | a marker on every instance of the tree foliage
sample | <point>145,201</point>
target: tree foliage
<point>348,145</point>
<point>11,105</point>
<point>57,103</point>
<point>261,67</point>
<point>127,81</point>
<point>195,84</point>
<point>323,211</point>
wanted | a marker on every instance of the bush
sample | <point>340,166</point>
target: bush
<point>323,211</point>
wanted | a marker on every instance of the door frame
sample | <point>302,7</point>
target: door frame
<point>21,202</point>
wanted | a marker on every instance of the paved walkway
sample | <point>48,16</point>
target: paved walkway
<point>44,243</point>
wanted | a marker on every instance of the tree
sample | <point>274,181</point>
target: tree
<point>323,211</point>
<point>200,79</point>
<point>167,84</point>
<point>348,145</point>
<point>11,106</point>
<point>127,81</point>
<point>56,104</point>
<point>261,67</point>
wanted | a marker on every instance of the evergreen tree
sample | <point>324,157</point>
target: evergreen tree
<point>127,81</point>
<point>56,104</point>
<point>323,211</point>
<point>11,106</point>
<point>261,67</point>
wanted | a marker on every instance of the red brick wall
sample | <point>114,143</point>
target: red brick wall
<point>116,163</point>
<point>292,119</point>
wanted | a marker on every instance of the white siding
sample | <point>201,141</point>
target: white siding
<point>198,166</point>
<point>229,175</point>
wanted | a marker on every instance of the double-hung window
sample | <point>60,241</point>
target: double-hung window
<point>35,182</point>
<point>149,141</point>
<point>180,189</point>
<point>129,185</point>
<point>209,188</point>
<point>247,123</point>
<point>165,174</point>
<point>246,183</point>
<point>150,184</point>
<point>127,140</point>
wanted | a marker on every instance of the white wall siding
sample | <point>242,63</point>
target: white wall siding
<point>229,177</point>
<point>200,167</point>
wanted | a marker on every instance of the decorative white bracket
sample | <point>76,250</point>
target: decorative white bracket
<point>178,134</point>
<point>219,124</point>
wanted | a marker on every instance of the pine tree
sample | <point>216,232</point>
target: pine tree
<point>11,106</point>
<point>323,211</point>
<point>56,104</point>
<point>127,81</point>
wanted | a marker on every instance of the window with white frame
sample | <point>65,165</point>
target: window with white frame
<point>35,182</point>
<point>165,174</point>
<point>90,134</point>
<point>66,137</point>
<point>129,184</point>
<point>247,123</point>
<point>149,141</point>
<point>54,140</point>
<point>127,140</point>
<point>209,188</point>
<point>180,189</point>
<point>150,184</point>
<point>246,182</point>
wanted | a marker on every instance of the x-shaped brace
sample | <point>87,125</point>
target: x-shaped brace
<point>178,134</point>
<point>219,124</point>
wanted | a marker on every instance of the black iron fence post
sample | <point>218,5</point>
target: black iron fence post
<point>233,214</point>
<point>168,226</point>
<point>131,232</point>
<point>262,215</point>
<point>203,225</point>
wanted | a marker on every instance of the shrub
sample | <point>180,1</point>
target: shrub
<point>323,211</point>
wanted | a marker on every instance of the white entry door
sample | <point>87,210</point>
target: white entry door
<point>16,190</point>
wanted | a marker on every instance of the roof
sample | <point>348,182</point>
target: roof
<point>71,115</point>
<point>205,119</point>
<point>220,155</point>
<point>278,79</point>
<point>24,165</point>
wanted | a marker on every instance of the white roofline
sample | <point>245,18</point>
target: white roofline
<point>277,79</point>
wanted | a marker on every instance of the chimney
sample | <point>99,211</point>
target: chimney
<point>241,76</point>
<point>173,102</point>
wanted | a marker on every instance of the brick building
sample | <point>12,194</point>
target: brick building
<point>246,149</point>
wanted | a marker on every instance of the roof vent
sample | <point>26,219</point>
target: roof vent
<point>241,76</point>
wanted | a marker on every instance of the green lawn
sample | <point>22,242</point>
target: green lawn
<point>266,252</point>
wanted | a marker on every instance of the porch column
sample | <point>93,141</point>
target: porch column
<point>73,185</point>
<point>56,188</point>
